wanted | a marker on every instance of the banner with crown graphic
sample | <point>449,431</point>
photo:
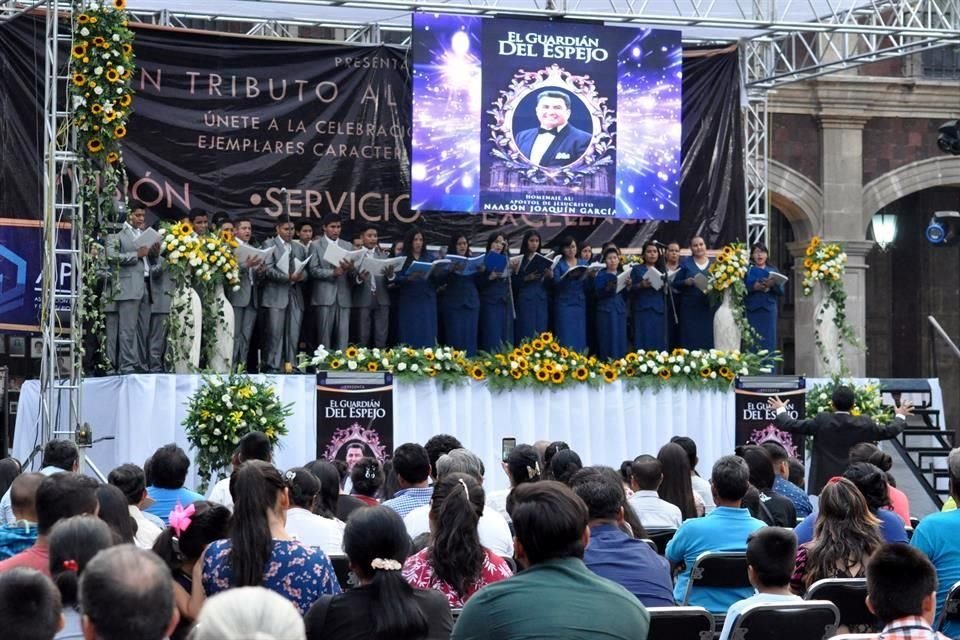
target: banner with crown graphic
<point>354,416</point>
<point>756,422</point>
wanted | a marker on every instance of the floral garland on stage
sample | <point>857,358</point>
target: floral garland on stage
<point>101,66</point>
<point>867,400</point>
<point>727,273</point>
<point>543,362</point>
<point>824,264</point>
<point>223,410</point>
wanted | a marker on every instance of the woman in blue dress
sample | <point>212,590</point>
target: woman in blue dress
<point>762,298</point>
<point>416,297</point>
<point>530,292</point>
<point>496,301</point>
<point>611,309</point>
<point>459,303</point>
<point>647,305</point>
<point>569,299</point>
<point>696,312</point>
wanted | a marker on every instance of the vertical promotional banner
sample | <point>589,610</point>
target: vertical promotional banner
<point>354,416</point>
<point>545,117</point>
<point>21,267</point>
<point>756,423</point>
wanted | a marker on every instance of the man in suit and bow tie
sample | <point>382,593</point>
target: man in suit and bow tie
<point>332,287</point>
<point>556,143</point>
<point>282,297</point>
<point>371,300</point>
<point>246,299</point>
<point>834,432</point>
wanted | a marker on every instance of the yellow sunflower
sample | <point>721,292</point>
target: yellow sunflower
<point>477,373</point>
<point>120,131</point>
<point>542,375</point>
<point>537,344</point>
<point>564,353</point>
<point>112,75</point>
<point>526,349</point>
<point>127,49</point>
<point>815,241</point>
<point>94,145</point>
<point>124,101</point>
<point>119,5</point>
<point>632,357</point>
<point>98,41</point>
<point>96,109</point>
<point>629,372</point>
<point>351,353</point>
<point>705,372</point>
<point>79,79</point>
<point>79,50</point>
<point>516,374</point>
<point>664,374</point>
<point>227,236</point>
<point>808,264</point>
<point>581,373</point>
<point>679,351</point>
<point>83,18</point>
<point>609,374</point>
<point>810,251</point>
<point>549,367</point>
<point>112,157</point>
<point>372,366</point>
<point>184,228</point>
<point>555,347</point>
<point>557,377</point>
<point>336,363</point>
<point>546,336</point>
<point>428,355</point>
<point>726,373</point>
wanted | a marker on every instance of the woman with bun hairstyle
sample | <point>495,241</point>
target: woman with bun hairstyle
<point>303,523</point>
<point>367,479</point>
<point>869,452</point>
<point>522,465</point>
<point>73,543</point>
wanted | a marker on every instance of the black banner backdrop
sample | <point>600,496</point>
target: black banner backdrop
<point>259,127</point>
<point>354,416</point>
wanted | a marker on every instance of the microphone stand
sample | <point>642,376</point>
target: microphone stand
<point>668,291</point>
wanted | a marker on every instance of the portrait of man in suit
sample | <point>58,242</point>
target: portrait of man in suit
<point>556,142</point>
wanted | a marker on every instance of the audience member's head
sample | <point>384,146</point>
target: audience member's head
<point>168,467</point>
<point>23,496</point>
<point>329,479</point>
<point>437,446</point>
<point>456,554</point>
<point>125,593</point>
<point>869,452</point>
<point>114,510</point>
<point>30,606</point>
<point>760,465</point>
<point>730,479</point>
<point>9,469</point>
<point>690,447</point>
<point>185,543</point>
<point>779,457</point>
<point>523,465</point>
<point>73,543</point>
<point>564,465</point>
<point>367,477</point>
<point>549,521</point>
<point>131,480</point>
<point>303,488</point>
<point>842,398</point>
<point>872,483</point>
<point>677,487</point>
<point>461,461</point>
<point>953,468</point>
<point>541,447</point>
<point>254,446</point>
<point>647,473</point>
<point>771,555</point>
<point>604,499</point>
<point>798,474</point>
<point>626,475</point>
<point>412,464</point>
<point>258,492</point>
<point>249,612</point>
<point>901,582</point>
<point>376,543</point>
<point>552,450</point>
<point>62,454</point>
<point>631,524</point>
<point>63,495</point>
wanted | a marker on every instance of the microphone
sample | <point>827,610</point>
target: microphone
<point>658,244</point>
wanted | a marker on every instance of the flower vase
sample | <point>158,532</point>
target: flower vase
<point>222,359</point>
<point>186,300</point>
<point>828,337</point>
<point>726,333</point>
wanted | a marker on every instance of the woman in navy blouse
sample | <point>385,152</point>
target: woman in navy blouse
<point>611,309</point>
<point>460,303</point>
<point>762,298</point>
<point>496,301</point>
<point>569,299</point>
<point>530,292</point>
<point>696,312</point>
<point>416,297</point>
<point>647,305</point>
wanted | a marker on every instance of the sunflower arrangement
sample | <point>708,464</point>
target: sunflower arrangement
<point>446,364</point>
<point>200,260</point>
<point>824,264</point>
<point>697,369</point>
<point>727,273</point>
<point>541,361</point>
<point>867,399</point>
<point>223,410</point>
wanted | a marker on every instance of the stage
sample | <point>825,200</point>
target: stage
<point>605,425</point>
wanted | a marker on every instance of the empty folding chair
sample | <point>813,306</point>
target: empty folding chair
<point>807,620</point>
<point>951,607</point>
<point>680,623</point>
<point>850,596</point>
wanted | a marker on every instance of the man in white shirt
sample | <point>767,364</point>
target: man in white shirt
<point>253,446</point>
<point>130,479</point>
<point>58,456</point>
<point>492,527</point>
<point>654,512</point>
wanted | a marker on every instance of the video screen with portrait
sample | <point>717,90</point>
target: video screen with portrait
<point>545,117</point>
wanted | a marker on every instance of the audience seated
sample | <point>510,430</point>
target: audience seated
<point>798,474</point>
<point>73,543</point>
<point>781,481</point>
<point>770,558</point>
<point>21,534</point>
<point>700,485</point>
<point>58,456</point>
<point>59,496</point>
<point>564,465</point>
<point>613,554</point>
<point>168,471</point>
<point>252,446</point>
<point>125,595</point>
<point>113,509</point>
<point>367,480</point>
<point>677,488</point>
<point>726,528</point>
<point>412,465</point>
<point>555,596</point>
<point>654,512</point>
<point>130,479</point>
<point>260,551</point>
<point>181,545</point>
<point>493,528</point>
<point>249,612</point>
<point>902,593</point>
<point>9,469</point>
<point>455,563</point>
<point>383,606</point>
<point>303,524</point>
<point>774,509</point>
<point>936,536</point>
<point>29,606</point>
<point>549,453</point>
<point>437,446</point>
<point>332,504</point>
<point>869,452</point>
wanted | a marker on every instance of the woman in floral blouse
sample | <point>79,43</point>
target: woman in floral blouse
<point>455,563</point>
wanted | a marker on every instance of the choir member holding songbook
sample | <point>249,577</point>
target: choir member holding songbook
<point>371,300</point>
<point>648,302</point>
<point>496,299</point>
<point>283,296</point>
<point>764,287</point>
<point>570,298</point>
<point>611,308</point>
<point>695,310</point>
<point>459,299</point>
<point>530,289</point>
<point>416,294</point>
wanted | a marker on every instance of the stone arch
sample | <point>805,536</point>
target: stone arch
<point>943,171</point>
<point>796,195</point>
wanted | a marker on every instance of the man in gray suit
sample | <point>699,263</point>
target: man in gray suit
<point>161,289</point>
<point>371,300</point>
<point>283,298</point>
<point>133,296</point>
<point>332,288</point>
<point>246,299</point>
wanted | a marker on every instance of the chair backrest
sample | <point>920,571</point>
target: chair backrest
<point>850,596</point>
<point>718,569</point>
<point>341,566</point>
<point>951,606</point>
<point>807,620</point>
<point>661,537</point>
<point>680,623</point>
<point>651,543</point>
<point>455,612</point>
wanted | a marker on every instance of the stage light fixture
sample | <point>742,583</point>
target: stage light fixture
<point>949,137</point>
<point>943,227</point>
